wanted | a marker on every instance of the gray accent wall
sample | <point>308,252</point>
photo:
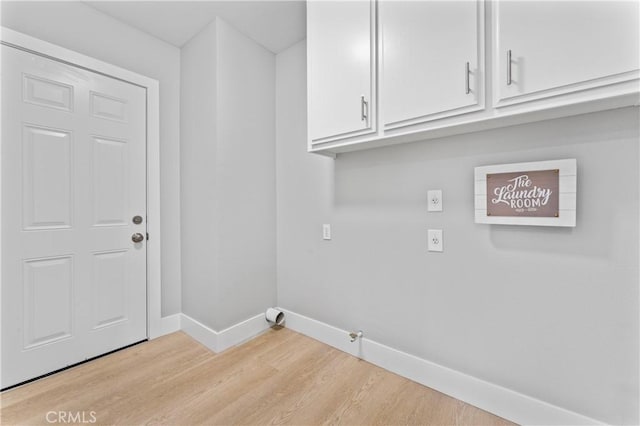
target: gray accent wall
<point>198,158</point>
<point>227,177</point>
<point>552,313</point>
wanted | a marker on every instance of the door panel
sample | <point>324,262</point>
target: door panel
<point>47,93</point>
<point>48,300</point>
<point>104,106</point>
<point>73,176</point>
<point>47,170</point>
<point>109,288</point>
<point>109,181</point>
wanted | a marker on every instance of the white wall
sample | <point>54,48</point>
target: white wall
<point>228,177</point>
<point>75,26</point>
<point>550,313</point>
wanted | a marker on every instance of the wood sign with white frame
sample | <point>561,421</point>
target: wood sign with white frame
<point>541,193</point>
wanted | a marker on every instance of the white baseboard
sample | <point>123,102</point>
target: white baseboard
<point>218,341</point>
<point>495,399</point>
<point>167,325</point>
<point>242,332</point>
<point>200,332</point>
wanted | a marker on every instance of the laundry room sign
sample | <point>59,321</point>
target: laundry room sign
<point>541,193</point>
<point>527,193</point>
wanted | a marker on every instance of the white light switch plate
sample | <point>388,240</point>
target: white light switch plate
<point>434,198</point>
<point>326,231</point>
<point>435,242</point>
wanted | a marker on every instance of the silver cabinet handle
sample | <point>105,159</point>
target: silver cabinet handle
<point>364,107</point>
<point>508,67</point>
<point>137,237</point>
<point>467,87</point>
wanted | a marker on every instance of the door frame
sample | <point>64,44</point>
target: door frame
<point>155,324</point>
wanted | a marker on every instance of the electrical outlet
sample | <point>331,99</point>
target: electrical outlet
<point>434,198</point>
<point>435,241</point>
<point>326,231</point>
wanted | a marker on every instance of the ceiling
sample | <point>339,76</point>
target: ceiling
<point>275,24</point>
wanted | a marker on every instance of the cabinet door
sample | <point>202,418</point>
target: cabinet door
<point>543,49</point>
<point>341,72</point>
<point>432,60</point>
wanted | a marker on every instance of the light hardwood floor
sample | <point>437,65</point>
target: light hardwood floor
<point>280,377</point>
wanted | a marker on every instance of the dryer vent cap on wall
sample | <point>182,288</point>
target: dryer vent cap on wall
<point>274,316</point>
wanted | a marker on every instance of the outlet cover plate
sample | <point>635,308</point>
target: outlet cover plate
<point>326,231</point>
<point>435,241</point>
<point>434,198</point>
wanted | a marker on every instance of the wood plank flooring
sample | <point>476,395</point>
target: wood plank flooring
<point>280,377</point>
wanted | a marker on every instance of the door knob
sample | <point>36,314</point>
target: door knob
<point>137,237</point>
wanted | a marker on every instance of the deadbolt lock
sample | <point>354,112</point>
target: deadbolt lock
<point>137,220</point>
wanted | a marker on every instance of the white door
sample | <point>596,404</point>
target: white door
<point>73,178</point>
<point>341,59</point>
<point>431,59</point>
<point>550,48</point>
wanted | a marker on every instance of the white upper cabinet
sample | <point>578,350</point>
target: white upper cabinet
<point>432,60</point>
<point>341,69</point>
<point>544,49</point>
<point>544,60</point>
